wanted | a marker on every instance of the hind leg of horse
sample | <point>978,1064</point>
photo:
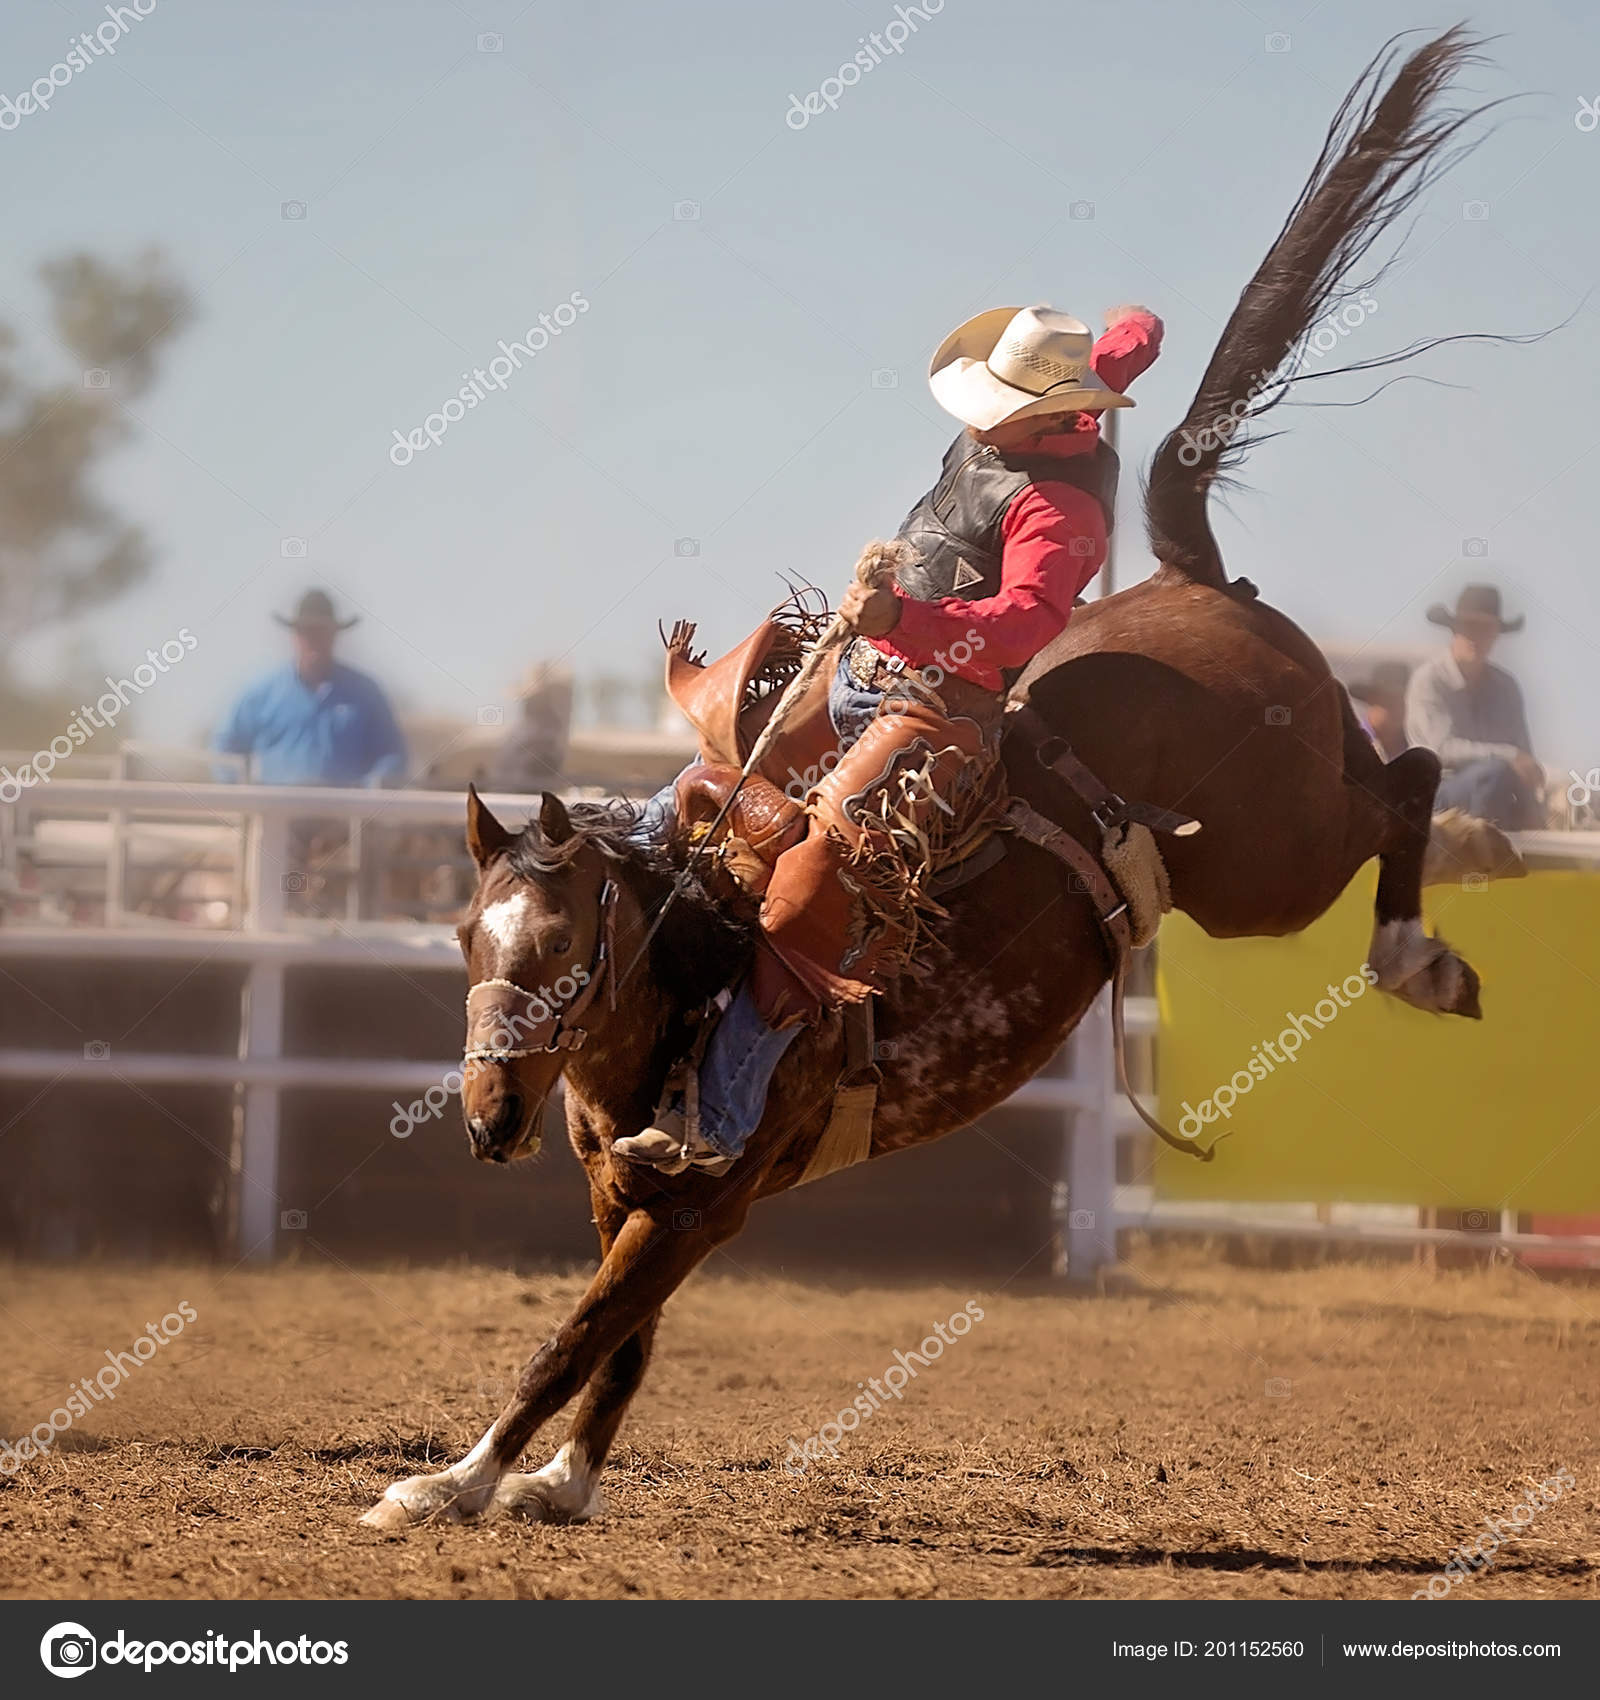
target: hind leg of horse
<point>1411,966</point>
<point>645,1264</point>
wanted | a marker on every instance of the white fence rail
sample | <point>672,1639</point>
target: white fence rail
<point>270,941</point>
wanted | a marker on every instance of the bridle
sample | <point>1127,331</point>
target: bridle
<point>555,1029</point>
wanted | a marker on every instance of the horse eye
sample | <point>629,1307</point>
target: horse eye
<point>562,945</point>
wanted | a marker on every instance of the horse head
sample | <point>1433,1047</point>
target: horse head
<point>539,942</point>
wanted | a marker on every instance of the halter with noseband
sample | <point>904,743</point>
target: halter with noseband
<point>554,1029</point>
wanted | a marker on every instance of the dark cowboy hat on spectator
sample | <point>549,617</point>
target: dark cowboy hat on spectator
<point>1385,682</point>
<point>1474,599</point>
<point>316,608</point>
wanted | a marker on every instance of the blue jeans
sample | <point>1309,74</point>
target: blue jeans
<point>1489,789</point>
<point>744,1052</point>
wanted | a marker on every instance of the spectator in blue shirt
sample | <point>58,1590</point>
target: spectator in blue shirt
<point>316,721</point>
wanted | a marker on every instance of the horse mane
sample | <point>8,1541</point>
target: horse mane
<point>1385,146</point>
<point>701,947</point>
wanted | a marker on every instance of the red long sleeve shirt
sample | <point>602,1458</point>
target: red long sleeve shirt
<point>1054,542</point>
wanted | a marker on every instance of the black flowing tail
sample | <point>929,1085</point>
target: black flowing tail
<point>1385,146</point>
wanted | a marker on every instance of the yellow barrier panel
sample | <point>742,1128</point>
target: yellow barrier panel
<point>1381,1103</point>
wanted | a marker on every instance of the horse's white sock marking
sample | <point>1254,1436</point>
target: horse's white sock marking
<point>570,1483</point>
<point>503,920</point>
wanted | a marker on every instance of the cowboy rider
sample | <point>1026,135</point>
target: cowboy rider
<point>1012,531</point>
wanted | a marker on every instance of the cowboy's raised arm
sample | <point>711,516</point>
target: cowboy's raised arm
<point>1129,345</point>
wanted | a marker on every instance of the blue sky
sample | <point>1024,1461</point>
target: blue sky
<point>761,305</point>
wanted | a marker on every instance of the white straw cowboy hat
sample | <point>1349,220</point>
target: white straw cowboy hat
<point>1018,363</point>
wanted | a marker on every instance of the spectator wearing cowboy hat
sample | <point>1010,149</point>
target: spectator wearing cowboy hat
<point>316,721</point>
<point>1382,695</point>
<point>1470,714</point>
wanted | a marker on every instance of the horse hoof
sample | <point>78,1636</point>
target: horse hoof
<point>390,1516</point>
<point>1461,847</point>
<point>419,1499</point>
<point>1424,972</point>
<point>535,1501</point>
<point>566,1490</point>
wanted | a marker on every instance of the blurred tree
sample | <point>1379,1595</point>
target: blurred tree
<point>62,549</point>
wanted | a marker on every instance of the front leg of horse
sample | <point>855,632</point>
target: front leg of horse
<point>567,1489</point>
<point>608,1333</point>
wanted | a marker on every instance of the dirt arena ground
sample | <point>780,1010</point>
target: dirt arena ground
<point>1212,1432</point>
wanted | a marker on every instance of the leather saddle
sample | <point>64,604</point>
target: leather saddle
<point>728,703</point>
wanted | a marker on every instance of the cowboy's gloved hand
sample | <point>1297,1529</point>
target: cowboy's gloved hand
<point>870,612</point>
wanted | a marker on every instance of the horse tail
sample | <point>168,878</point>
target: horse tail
<point>1385,146</point>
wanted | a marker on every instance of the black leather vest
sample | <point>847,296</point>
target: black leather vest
<point>956,526</point>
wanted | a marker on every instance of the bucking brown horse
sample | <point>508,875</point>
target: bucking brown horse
<point>1185,690</point>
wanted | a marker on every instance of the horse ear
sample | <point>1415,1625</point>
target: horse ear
<point>554,825</point>
<point>486,838</point>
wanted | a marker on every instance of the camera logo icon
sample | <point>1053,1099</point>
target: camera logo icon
<point>292,209</point>
<point>1082,547</point>
<point>1277,42</point>
<point>96,378</point>
<point>1475,1221</point>
<point>292,1219</point>
<point>1277,716</point>
<point>292,548</point>
<point>1277,1387</point>
<point>1475,210</point>
<point>490,42</point>
<point>686,1221</point>
<point>1474,882</point>
<point>96,1050</point>
<point>491,714</point>
<point>1474,548</point>
<point>294,882</point>
<point>1081,210</point>
<point>686,212</point>
<point>1080,1219</point>
<point>886,378</point>
<point>885,1050</point>
<point>685,546</point>
<point>68,1649</point>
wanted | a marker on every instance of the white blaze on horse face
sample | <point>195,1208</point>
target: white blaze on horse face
<point>503,923</point>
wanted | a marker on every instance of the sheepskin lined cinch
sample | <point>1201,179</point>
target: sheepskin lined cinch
<point>1133,860</point>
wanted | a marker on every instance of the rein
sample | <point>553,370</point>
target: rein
<point>555,1030</point>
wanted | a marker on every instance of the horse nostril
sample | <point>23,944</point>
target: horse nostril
<point>501,1124</point>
